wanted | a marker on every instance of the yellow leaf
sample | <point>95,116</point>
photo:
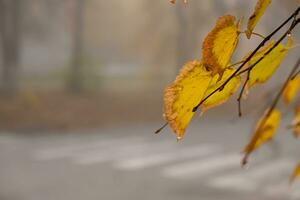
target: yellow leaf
<point>296,122</point>
<point>220,44</point>
<point>295,173</point>
<point>291,90</point>
<point>260,9</point>
<point>265,130</point>
<point>269,64</point>
<point>184,94</point>
<point>221,97</point>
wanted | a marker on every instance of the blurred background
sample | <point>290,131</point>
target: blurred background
<point>81,89</point>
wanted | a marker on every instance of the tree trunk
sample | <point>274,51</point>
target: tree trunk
<point>182,37</point>
<point>10,17</point>
<point>77,51</point>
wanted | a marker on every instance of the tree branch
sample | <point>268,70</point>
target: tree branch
<point>295,22</point>
<point>274,103</point>
<point>241,94</point>
<point>295,13</point>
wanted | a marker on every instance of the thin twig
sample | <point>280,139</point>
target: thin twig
<point>295,22</point>
<point>161,128</point>
<point>296,12</point>
<point>234,64</point>
<point>254,33</point>
<point>259,35</point>
<point>239,99</point>
<point>296,74</point>
<point>273,105</point>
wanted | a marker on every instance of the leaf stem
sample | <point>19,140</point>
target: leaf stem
<point>161,128</point>
<point>256,34</point>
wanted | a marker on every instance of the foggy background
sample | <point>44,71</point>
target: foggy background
<point>75,72</point>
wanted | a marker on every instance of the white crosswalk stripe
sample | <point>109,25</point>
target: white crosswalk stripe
<point>139,149</point>
<point>162,158</point>
<point>69,150</point>
<point>247,179</point>
<point>202,167</point>
<point>184,162</point>
<point>276,190</point>
<point>295,195</point>
<point>295,190</point>
<point>283,189</point>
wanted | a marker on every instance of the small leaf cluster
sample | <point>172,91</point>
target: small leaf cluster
<point>211,80</point>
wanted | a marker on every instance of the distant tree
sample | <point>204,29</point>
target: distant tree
<point>182,37</point>
<point>10,25</point>
<point>75,84</point>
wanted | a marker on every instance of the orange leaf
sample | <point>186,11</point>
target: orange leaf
<point>220,44</point>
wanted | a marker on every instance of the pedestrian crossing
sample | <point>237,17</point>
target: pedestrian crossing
<point>202,167</point>
<point>122,152</point>
<point>248,180</point>
<point>212,164</point>
<point>136,163</point>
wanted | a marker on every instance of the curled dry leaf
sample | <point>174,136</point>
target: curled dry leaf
<point>296,122</point>
<point>184,94</point>
<point>269,64</point>
<point>291,90</point>
<point>222,96</point>
<point>264,131</point>
<point>220,44</point>
<point>295,174</point>
<point>259,11</point>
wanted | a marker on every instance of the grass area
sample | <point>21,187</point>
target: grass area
<point>59,110</point>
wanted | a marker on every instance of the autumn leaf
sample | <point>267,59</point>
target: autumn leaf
<point>184,94</point>
<point>264,131</point>
<point>222,96</point>
<point>269,64</point>
<point>296,122</point>
<point>259,10</point>
<point>291,89</point>
<point>220,44</point>
<point>295,174</point>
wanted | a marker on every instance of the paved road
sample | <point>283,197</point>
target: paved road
<point>130,163</point>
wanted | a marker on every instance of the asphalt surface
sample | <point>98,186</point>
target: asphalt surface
<point>131,163</point>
